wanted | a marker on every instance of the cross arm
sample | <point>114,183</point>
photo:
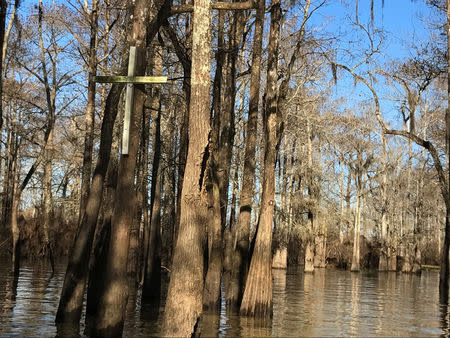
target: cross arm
<point>220,5</point>
<point>130,79</point>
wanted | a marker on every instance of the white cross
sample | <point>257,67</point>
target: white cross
<point>129,80</point>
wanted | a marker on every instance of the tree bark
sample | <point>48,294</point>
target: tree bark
<point>211,291</point>
<point>90,110</point>
<point>257,298</point>
<point>184,128</point>
<point>109,319</point>
<point>184,299</point>
<point>309,247</point>
<point>357,224</point>
<point>241,232</point>
<point>50,95</point>
<point>3,7</point>
<point>71,301</point>
<point>342,198</point>
<point>152,277</point>
<point>384,251</point>
<point>98,260</point>
<point>445,268</point>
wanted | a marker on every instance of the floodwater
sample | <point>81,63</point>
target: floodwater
<point>326,303</point>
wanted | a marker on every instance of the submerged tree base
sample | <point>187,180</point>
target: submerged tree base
<point>260,310</point>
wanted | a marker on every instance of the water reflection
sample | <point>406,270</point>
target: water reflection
<point>325,303</point>
<point>354,317</point>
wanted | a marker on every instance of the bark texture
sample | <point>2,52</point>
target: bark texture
<point>90,109</point>
<point>184,299</point>
<point>257,298</point>
<point>110,316</point>
<point>152,277</point>
<point>445,268</point>
<point>71,301</point>
<point>241,233</point>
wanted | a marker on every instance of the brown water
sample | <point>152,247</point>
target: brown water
<point>326,303</point>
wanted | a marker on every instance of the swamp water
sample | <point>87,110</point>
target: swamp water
<point>326,303</point>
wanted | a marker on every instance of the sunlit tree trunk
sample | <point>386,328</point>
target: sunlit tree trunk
<point>215,180</point>
<point>342,199</point>
<point>257,298</point>
<point>3,7</point>
<point>312,217</point>
<point>184,298</point>
<point>444,271</point>
<point>241,232</point>
<point>357,224</point>
<point>408,245</point>
<point>384,254</point>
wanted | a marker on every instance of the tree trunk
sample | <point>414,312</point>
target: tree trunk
<point>109,319</point>
<point>152,277</point>
<point>227,115</point>
<point>15,232</point>
<point>169,202</point>
<point>3,7</point>
<point>384,251</point>
<point>90,110</point>
<point>47,199</point>
<point>11,159</point>
<point>50,95</point>
<point>309,247</point>
<point>71,301</point>
<point>357,227</point>
<point>257,298</point>
<point>241,232</point>
<point>184,299</point>
<point>445,269</point>
<point>98,260</point>
<point>342,195</point>
<point>214,183</point>
<point>211,291</point>
<point>320,244</point>
<point>184,128</point>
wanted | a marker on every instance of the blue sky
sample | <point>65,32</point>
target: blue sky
<point>401,19</point>
<point>403,23</point>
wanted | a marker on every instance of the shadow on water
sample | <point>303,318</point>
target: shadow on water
<point>444,319</point>
<point>443,306</point>
<point>8,291</point>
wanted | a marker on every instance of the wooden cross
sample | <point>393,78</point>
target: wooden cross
<point>130,80</point>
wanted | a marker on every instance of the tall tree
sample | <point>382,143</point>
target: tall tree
<point>110,316</point>
<point>90,108</point>
<point>241,233</point>
<point>184,298</point>
<point>257,298</point>
<point>152,277</point>
<point>3,7</point>
<point>445,264</point>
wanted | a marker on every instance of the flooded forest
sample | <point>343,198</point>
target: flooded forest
<point>224,168</point>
